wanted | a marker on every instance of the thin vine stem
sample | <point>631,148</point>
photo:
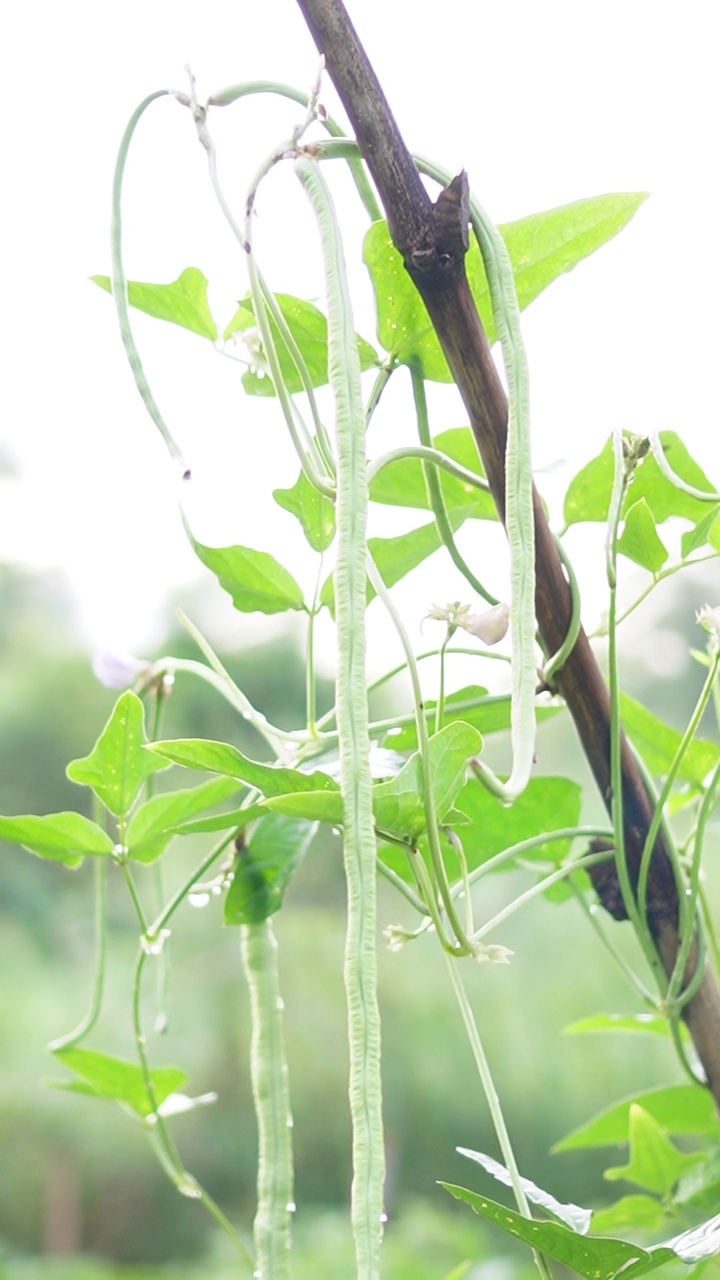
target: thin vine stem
<point>234,92</point>
<point>519,519</point>
<point>381,380</point>
<point>633,979</point>
<point>428,453</point>
<point>161,1140</point>
<point>88,1022</point>
<point>464,946</point>
<point>310,457</point>
<point>657,818</point>
<point>708,802</point>
<point>435,493</point>
<point>493,1101</point>
<point>638,921</point>
<point>657,578</point>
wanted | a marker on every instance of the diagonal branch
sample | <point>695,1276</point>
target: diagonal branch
<point>432,242</point>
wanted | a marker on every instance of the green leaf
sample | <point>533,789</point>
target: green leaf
<point>394,557</point>
<point>575,1217</point>
<point>697,1243</point>
<point>315,512</point>
<point>398,803</point>
<point>221,757</point>
<point>588,1256</point>
<point>541,247</point>
<point>680,1109</point>
<point>703,532</point>
<point>547,804</point>
<point>402,483</point>
<point>633,1213</point>
<point>638,1022</point>
<point>184,302</point>
<point>308,327</point>
<point>639,540</point>
<point>588,494</point>
<point>488,713</point>
<point>118,764</point>
<point>255,580</point>
<point>153,825</point>
<point>700,1186</point>
<point>238,819</point>
<point>264,868</point>
<point>313,806</point>
<point>63,837</point>
<point>657,743</point>
<point>108,1077</point>
<point>655,1163</point>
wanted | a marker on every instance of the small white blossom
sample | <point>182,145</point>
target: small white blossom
<point>492,953</point>
<point>253,344</point>
<point>709,620</point>
<point>490,626</point>
<point>397,936</point>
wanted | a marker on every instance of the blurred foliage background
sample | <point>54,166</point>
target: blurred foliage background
<point>81,1197</point>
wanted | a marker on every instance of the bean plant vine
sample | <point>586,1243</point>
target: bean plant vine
<point>412,794</point>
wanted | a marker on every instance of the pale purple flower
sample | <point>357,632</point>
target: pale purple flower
<point>117,669</point>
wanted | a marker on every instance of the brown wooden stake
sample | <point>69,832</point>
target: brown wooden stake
<point>433,252</point>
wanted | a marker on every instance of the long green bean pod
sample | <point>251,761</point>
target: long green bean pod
<point>272,1104</point>
<point>354,740</point>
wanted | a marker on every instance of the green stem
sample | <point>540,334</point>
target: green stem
<point>678,973</point>
<point>227,96</point>
<point>639,923</point>
<point>160,693</point>
<point>435,493</point>
<point>378,725</point>
<point>705,694</point>
<point>132,890</point>
<point>181,894</point>
<point>534,842</point>
<point>427,453</point>
<point>493,1102</point>
<point>310,673</point>
<point>536,890</point>
<point>91,1017</point>
<point>157,1130</point>
<point>310,458</point>
<point>269,1073</point>
<point>379,385</point>
<point>440,705</point>
<point>657,579</point>
<point>466,704</point>
<point>632,978</point>
<point>558,660</point>
<point>421,714</point>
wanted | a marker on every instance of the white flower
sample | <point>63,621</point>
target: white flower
<point>493,953</point>
<point>490,626</point>
<point>709,620</point>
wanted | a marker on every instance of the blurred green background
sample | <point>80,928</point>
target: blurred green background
<point>81,1197</point>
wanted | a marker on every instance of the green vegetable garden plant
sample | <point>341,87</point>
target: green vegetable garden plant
<point>414,799</point>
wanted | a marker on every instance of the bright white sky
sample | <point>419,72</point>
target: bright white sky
<point>542,104</point>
